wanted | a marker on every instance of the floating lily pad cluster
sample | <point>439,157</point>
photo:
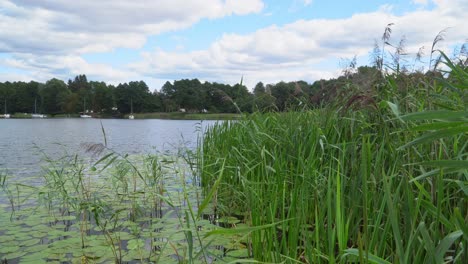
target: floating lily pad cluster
<point>120,209</point>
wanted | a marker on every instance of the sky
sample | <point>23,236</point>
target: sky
<point>223,41</point>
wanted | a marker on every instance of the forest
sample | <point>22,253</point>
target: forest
<point>55,97</point>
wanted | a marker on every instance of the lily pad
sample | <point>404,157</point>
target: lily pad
<point>38,234</point>
<point>122,235</point>
<point>9,249</point>
<point>136,255</point>
<point>239,253</point>
<point>66,218</point>
<point>135,244</point>
<point>14,255</point>
<point>93,253</point>
<point>30,242</point>
<point>32,260</point>
<point>36,248</point>
<point>6,238</point>
<point>228,220</point>
<point>22,236</point>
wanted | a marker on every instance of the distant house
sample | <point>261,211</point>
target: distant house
<point>182,110</point>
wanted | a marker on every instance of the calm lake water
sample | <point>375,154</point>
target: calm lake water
<point>22,140</point>
<point>54,218</point>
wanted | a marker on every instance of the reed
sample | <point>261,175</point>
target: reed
<point>111,208</point>
<point>376,185</point>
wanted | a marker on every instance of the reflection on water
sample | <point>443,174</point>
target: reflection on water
<point>23,143</point>
<point>142,209</point>
<point>139,209</point>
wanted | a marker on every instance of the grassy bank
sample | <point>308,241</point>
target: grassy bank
<point>385,182</point>
<point>160,115</point>
<point>21,115</point>
<point>186,116</point>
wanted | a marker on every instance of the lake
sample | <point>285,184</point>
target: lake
<point>141,209</point>
<point>22,140</point>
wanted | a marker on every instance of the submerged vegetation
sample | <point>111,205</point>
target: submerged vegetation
<point>380,177</point>
<point>118,209</point>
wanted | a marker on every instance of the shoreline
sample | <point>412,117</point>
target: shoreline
<point>157,115</point>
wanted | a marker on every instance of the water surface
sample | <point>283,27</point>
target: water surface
<point>23,140</point>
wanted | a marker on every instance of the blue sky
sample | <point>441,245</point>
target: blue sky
<point>213,40</point>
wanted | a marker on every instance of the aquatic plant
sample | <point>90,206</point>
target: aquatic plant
<point>378,183</point>
<point>109,208</point>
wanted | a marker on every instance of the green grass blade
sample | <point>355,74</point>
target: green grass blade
<point>437,125</point>
<point>393,215</point>
<point>437,114</point>
<point>427,241</point>
<point>235,231</point>
<point>214,188</point>
<point>445,245</point>
<point>371,257</point>
<point>452,164</point>
<point>429,137</point>
<point>432,173</point>
<point>103,134</point>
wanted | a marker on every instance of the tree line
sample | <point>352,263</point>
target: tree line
<point>354,85</point>
<point>80,95</point>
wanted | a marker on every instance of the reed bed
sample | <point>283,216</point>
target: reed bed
<point>372,185</point>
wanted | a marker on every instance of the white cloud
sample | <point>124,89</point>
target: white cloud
<point>420,2</point>
<point>62,26</point>
<point>15,77</point>
<point>292,51</point>
<point>45,67</point>
<point>49,40</point>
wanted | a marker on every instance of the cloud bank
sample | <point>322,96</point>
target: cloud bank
<point>49,38</point>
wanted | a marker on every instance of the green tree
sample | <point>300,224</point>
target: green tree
<point>71,103</point>
<point>79,83</point>
<point>25,95</point>
<point>103,98</point>
<point>8,97</point>
<point>263,101</point>
<point>153,103</point>
<point>283,93</point>
<point>167,92</point>
<point>185,93</point>
<point>221,98</point>
<point>136,93</point>
<point>54,96</point>
<point>242,98</point>
<point>82,88</point>
<point>259,89</point>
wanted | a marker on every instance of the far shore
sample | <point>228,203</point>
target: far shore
<point>158,115</point>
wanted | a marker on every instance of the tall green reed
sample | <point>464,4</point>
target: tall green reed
<point>348,185</point>
<point>141,208</point>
